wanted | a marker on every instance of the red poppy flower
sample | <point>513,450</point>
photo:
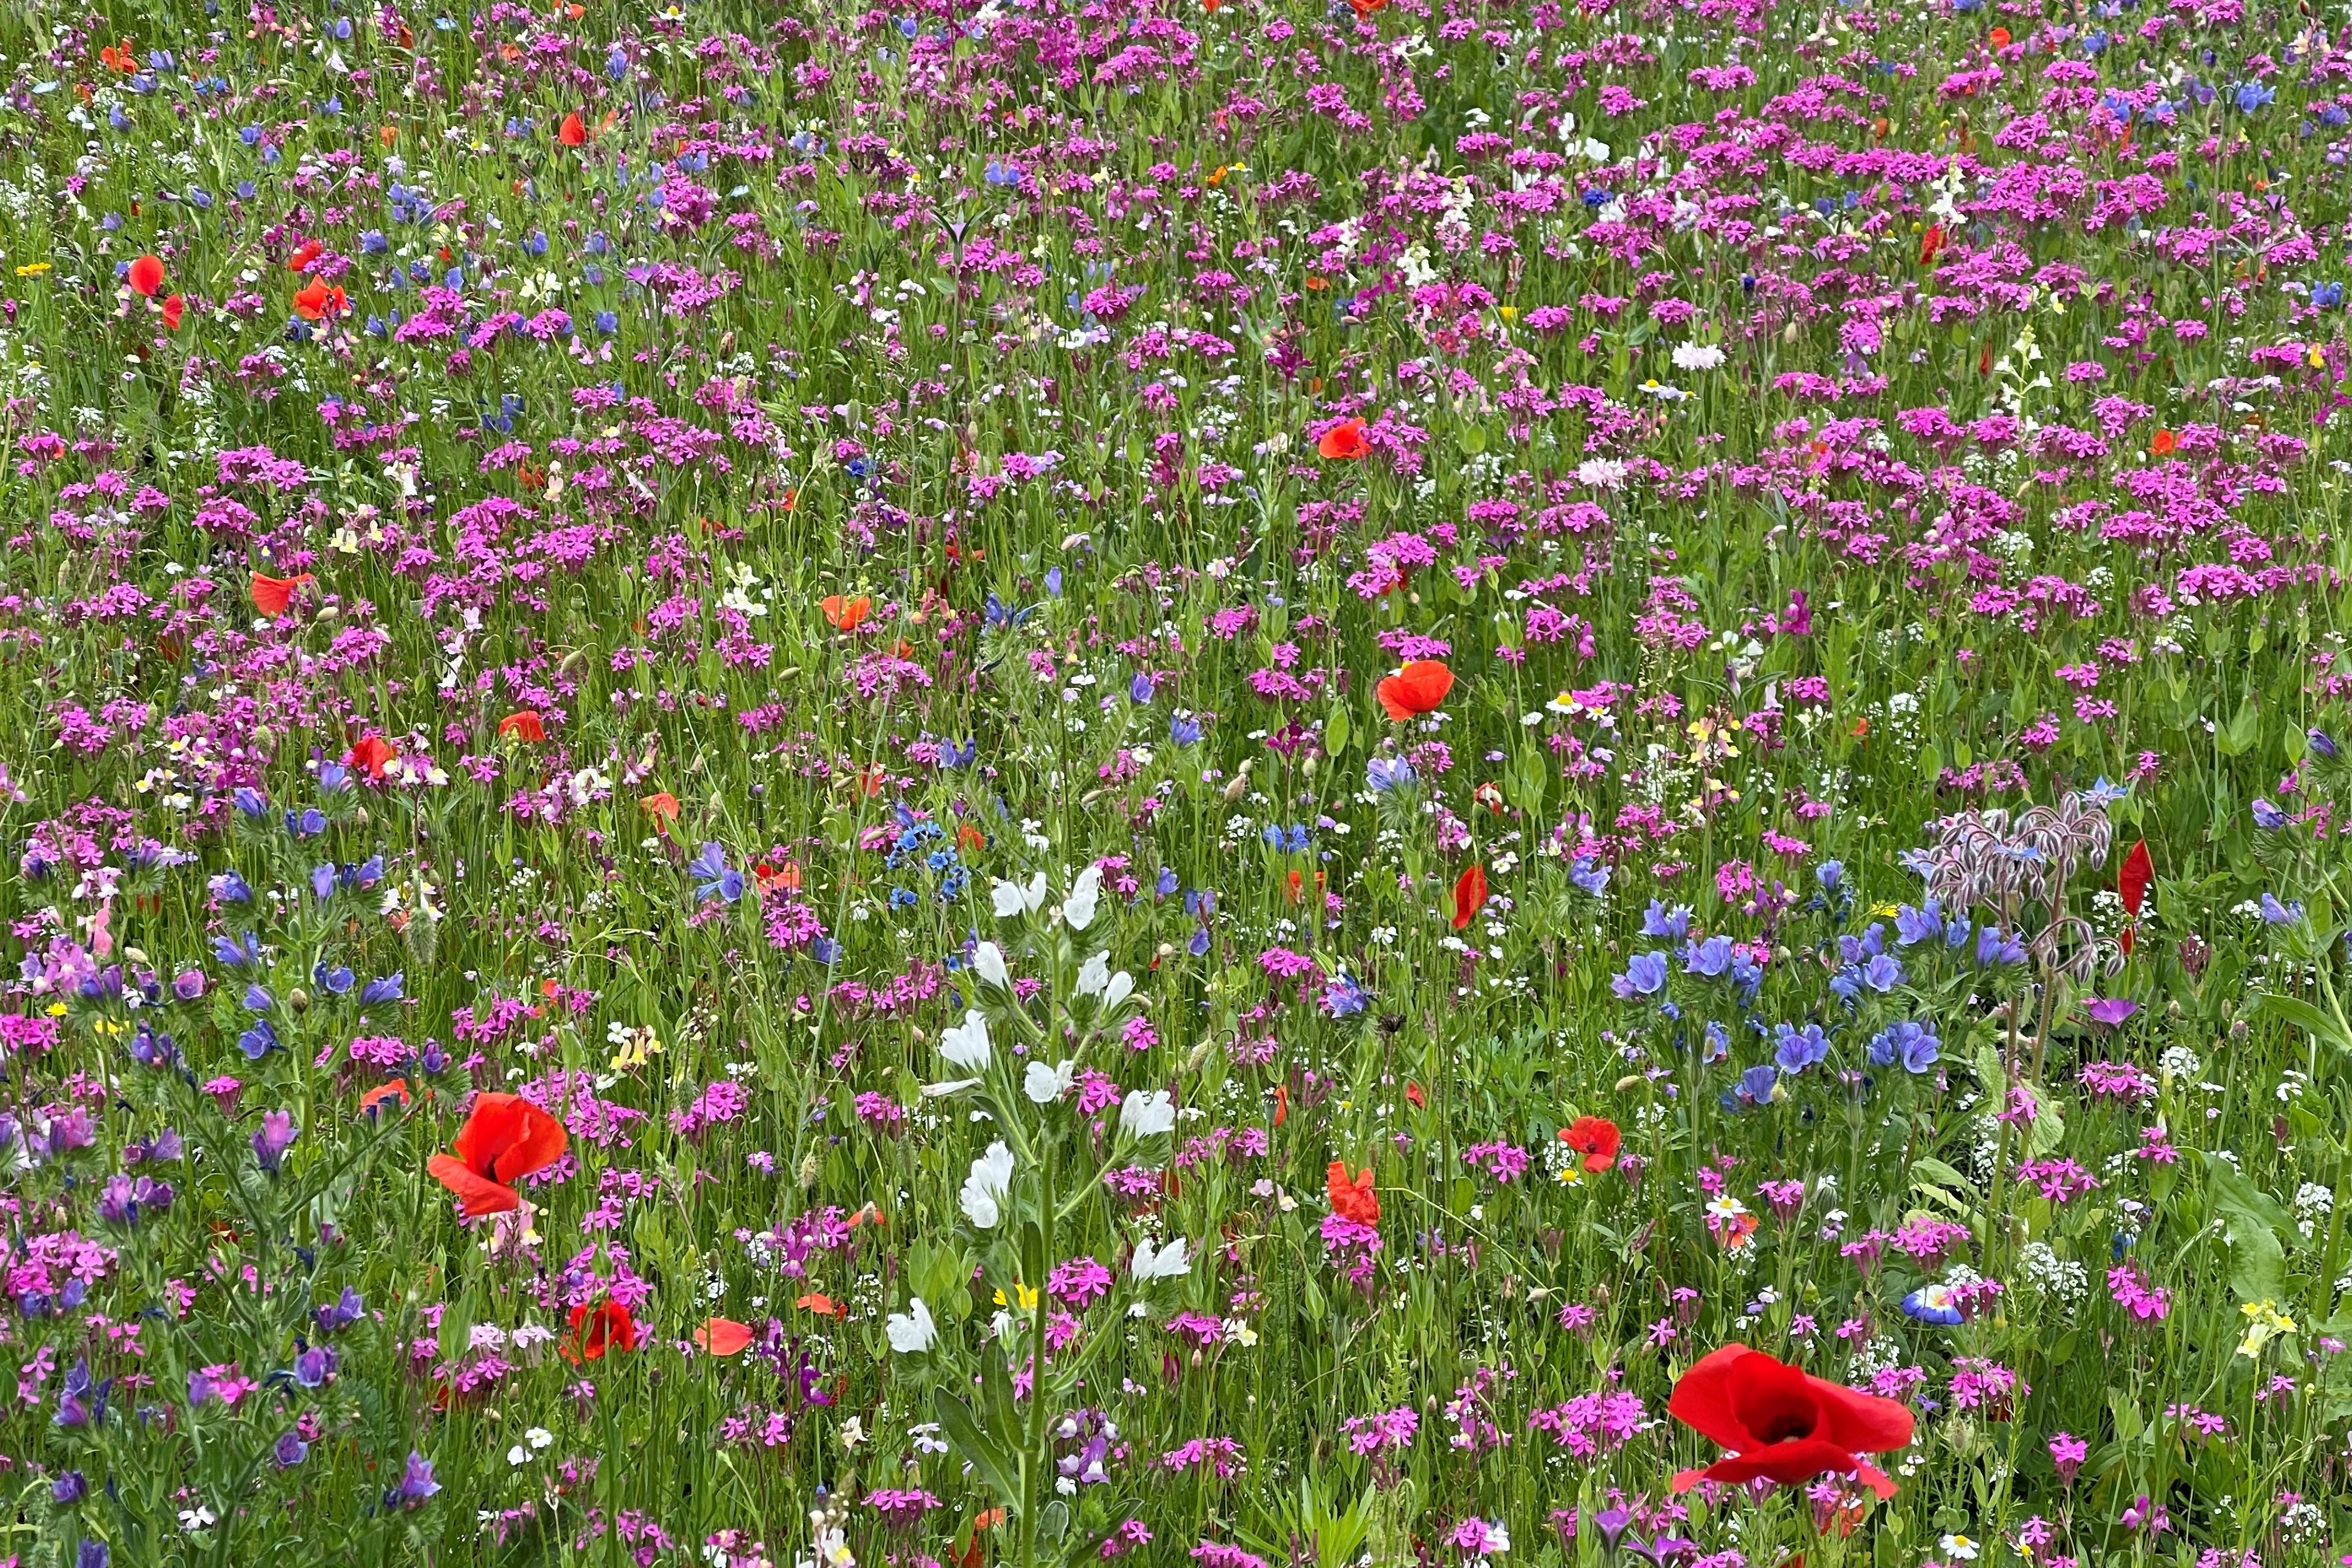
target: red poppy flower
<point>504,1139</point>
<point>1930,243</point>
<point>819,1302</point>
<point>1469,896</point>
<point>2131,882</point>
<point>397,1088</point>
<point>373,753</point>
<point>1782,1423</point>
<point>1355,1200</point>
<point>844,614</point>
<point>2162,446</point>
<point>272,594</point>
<point>317,301</point>
<point>524,723</point>
<point>1344,442</point>
<point>1596,1138</point>
<point>1414,690</point>
<point>310,251</point>
<point>146,277</point>
<point>1281,1104</point>
<point>608,1325</point>
<point>173,307</point>
<point>723,1336</point>
<point>573,131</point>
<point>663,808</point>
<point>1998,38</point>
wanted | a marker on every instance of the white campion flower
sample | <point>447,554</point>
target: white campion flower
<point>1011,898</point>
<point>1146,1113</point>
<point>1697,356</point>
<point>1167,1262</point>
<point>911,1332</point>
<point>984,1190</point>
<point>1044,1084</point>
<point>1120,987</point>
<point>1094,975</point>
<point>966,1044</point>
<point>989,959</point>
<point>1078,909</point>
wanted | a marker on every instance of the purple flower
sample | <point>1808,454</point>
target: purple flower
<point>1645,977</point>
<point>416,1483</point>
<point>2110,1012</point>
<point>276,1135</point>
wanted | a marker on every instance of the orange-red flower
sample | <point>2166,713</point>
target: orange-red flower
<point>319,299</point>
<point>573,131</point>
<point>1414,690</point>
<point>2131,882</point>
<point>504,1139</point>
<point>173,307</point>
<point>662,807</point>
<point>1469,896</point>
<point>1344,442</point>
<point>1782,1423</point>
<point>1998,37</point>
<point>2164,444</point>
<point>397,1088</point>
<point>310,251</point>
<point>819,1302</point>
<point>146,277</point>
<point>723,1336</point>
<point>846,615</point>
<point>373,753</point>
<point>1596,1138</point>
<point>1355,1200</point>
<point>1930,243</point>
<point>272,594</point>
<point>524,725</point>
<point>608,1325</point>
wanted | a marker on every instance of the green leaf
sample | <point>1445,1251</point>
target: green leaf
<point>964,1434</point>
<point>2255,1222</point>
<point>1337,730</point>
<point>2237,738</point>
<point>2302,1015</point>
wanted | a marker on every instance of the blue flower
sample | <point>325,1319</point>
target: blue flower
<point>722,880</point>
<point>1912,1045</point>
<point>1798,1049</point>
<point>1994,946</point>
<point>2268,816</point>
<point>1386,774</point>
<point>2252,96</point>
<point>1758,1085</point>
<point>1589,875</point>
<point>1645,977</point>
<point>2277,914</point>
<point>1932,1304</point>
<point>1660,924</point>
<point>1184,731</point>
<point>1709,959</point>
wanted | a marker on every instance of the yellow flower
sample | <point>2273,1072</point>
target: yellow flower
<point>1027,1296</point>
<point>33,270</point>
<point>1508,312</point>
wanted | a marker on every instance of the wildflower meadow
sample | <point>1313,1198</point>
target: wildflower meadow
<point>1229,783</point>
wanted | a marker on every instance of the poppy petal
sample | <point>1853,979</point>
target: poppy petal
<point>478,1194</point>
<point>723,1336</point>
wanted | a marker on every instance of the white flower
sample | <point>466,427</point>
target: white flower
<point>1094,975</point>
<point>1148,1113</point>
<point>1011,898</point>
<point>1962,1547</point>
<point>1121,987</point>
<point>1697,356</point>
<point>517,1455</point>
<point>989,959</point>
<point>1044,1084</point>
<point>538,1437</point>
<point>197,1518</point>
<point>1078,909</point>
<point>966,1044</point>
<point>1161,1263</point>
<point>911,1332</point>
<point>984,1189</point>
<point>1601,473</point>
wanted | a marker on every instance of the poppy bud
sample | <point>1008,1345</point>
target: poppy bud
<point>298,1000</point>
